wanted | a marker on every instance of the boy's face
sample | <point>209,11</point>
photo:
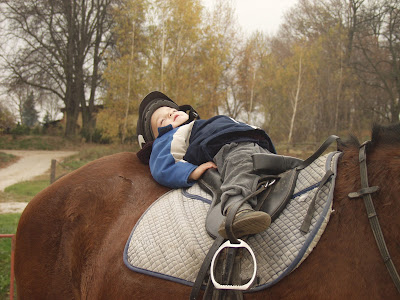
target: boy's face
<point>164,116</point>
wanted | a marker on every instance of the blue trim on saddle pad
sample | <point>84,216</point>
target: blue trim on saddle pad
<point>148,272</point>
<point>314,186</point>
<point>195,197</point>
<point>294,261</point>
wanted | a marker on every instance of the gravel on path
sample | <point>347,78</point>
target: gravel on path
<point>32,163</point>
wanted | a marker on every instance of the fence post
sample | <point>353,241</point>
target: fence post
<point>53,171</point>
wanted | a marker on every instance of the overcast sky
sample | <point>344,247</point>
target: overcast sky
<point>264,15</point>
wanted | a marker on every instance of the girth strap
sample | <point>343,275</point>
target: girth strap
<point>365,192</point>
<point>205,267</point>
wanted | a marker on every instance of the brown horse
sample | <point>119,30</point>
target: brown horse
<point>71,236</point>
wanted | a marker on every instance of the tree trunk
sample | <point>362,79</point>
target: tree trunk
<point>338,95</point>
<point>251,95</point>
<point>295,103</point>
<point>71,116</point>
<point>128,96</point>
<point>71,112</point>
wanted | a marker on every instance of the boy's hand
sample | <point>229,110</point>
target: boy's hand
<point>199,171</point>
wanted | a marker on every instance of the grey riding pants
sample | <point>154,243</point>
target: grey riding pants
<point>235,165</point>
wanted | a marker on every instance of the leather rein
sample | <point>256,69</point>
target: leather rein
<point>365,192</point>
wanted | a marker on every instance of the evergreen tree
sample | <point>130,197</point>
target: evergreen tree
<point>29,114</point>
<point>47,118</point>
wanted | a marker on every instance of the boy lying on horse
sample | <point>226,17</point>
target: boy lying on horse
<point>183,147</point>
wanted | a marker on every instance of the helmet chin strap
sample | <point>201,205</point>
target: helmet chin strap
<point>193,115</point>
<point>141,141</point>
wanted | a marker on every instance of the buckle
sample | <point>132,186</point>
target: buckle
<point>269,183</point>
<point>228,244</point>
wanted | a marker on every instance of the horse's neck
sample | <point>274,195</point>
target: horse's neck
<point>383,166</point>
<point>348,177</point>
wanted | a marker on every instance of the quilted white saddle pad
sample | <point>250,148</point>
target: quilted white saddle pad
<point>170,240</point>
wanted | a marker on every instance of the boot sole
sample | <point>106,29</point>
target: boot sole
<point>247,225</point>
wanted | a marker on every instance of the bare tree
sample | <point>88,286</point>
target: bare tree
<point>377,64</point>
<point>61,48</point>
<point>295,103</point>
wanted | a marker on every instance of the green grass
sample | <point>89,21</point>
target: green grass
<point>8,224</point>
<point>27,188</point>
<point>11,197</point>
<point>93,152</point>
<point>33,142</point>
<point>6,159</point>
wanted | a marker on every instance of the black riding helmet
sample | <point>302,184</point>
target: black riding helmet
<point>148,106</point>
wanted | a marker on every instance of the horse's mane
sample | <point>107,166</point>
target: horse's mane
<point>350,142</point>
<point>381,135</point>
<point>386,135</point>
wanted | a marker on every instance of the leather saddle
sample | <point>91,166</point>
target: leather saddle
<point>280,169</point>
<point>283,172</point>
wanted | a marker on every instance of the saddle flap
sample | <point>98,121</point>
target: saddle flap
<point>273,164</point>
<point>281,193</point>
<point>211,183</point>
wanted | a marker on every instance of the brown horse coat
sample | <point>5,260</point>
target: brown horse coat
<point>71,236</point>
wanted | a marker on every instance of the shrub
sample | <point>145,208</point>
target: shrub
<point>96,137</point>
<point>21,130</point>
<point>7,120</point>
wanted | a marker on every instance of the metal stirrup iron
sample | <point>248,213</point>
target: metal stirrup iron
<point>228,244</point>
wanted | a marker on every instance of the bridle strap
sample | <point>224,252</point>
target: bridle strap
<point>365,193</point>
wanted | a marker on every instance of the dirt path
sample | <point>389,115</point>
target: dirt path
<point>30,165</point>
